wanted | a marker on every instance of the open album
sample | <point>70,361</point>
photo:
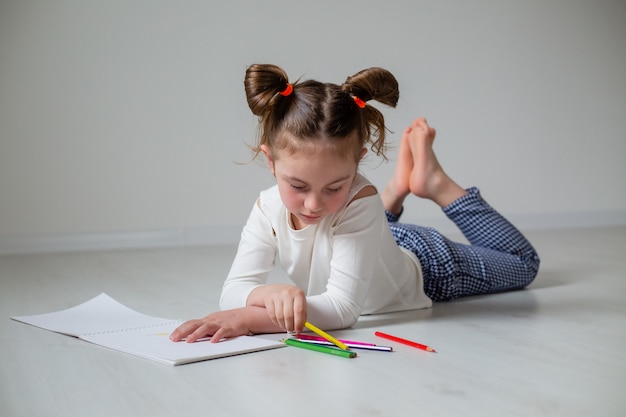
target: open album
<point>105,322</point>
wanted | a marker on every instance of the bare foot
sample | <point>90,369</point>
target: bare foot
<point>428,179</point>
<point>398,186</point>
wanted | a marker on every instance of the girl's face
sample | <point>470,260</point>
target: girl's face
<point>312,185</point>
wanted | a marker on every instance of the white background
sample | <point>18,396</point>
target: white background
<point>122,122</point>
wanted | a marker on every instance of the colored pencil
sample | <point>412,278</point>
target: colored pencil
<point>405,341</point>
<point>325,335</point>
<point>350,345</point>
<point>320,348</point>
<point>303,336</point>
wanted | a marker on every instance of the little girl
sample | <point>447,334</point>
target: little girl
<point>334,235</point>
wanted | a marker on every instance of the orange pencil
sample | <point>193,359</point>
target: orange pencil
<point>405,342</point>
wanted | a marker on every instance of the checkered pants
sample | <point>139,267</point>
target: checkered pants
<point>497,259</point>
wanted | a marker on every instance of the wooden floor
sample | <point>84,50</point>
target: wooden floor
<point>557,348</point>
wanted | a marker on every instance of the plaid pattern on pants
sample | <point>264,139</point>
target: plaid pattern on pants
<point>498,258</point>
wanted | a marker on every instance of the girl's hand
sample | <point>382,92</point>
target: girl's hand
<point>285,305</point>
<point>218,325</point>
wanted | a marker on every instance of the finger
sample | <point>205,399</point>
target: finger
<point>226,333</point>
<point>218,335</point>
<point>202,331</point>
<point>287,320</point>
<point>270,309</point>
<point>176,335</point>
<point>299,307</point>
<point>184,330</point>
<point>282,314</point>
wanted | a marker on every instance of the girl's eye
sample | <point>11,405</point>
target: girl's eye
<point>297,187</point>
<point>334,190</point>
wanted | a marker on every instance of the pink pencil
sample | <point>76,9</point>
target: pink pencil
<point>321,339</point>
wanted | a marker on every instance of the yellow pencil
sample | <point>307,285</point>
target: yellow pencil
<point>325,335</point>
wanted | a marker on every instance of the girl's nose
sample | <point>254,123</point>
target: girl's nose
<point>313,203</point>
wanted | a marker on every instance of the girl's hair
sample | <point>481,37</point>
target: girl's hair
<point>314,112</point>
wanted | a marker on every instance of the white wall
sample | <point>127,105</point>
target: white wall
<point>120,121</point>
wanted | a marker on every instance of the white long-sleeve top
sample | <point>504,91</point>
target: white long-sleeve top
<point>348,264</point>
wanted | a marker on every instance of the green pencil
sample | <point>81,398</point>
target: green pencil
<point>320,348</point>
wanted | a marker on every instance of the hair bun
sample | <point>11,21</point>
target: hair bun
<point>374,84</point>
<point>262,83</point>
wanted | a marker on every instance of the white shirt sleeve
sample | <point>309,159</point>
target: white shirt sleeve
<point>253,262</point>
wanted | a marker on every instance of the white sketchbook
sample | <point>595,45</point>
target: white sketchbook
<point>105,322</point>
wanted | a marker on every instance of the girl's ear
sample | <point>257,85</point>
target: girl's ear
<point>363,152</point>
<point>268,155</point>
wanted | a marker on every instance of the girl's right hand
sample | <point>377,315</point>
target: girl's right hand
<point>218,325</point>
<point>285,305</point>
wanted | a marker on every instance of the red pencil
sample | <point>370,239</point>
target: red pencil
<point>404,341</point>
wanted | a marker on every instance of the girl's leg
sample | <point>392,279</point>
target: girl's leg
<point>498,258</point>
<point>503,261</point>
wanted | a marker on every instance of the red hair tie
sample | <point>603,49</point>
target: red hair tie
<point>359,102</point>
<point>288,90</point>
